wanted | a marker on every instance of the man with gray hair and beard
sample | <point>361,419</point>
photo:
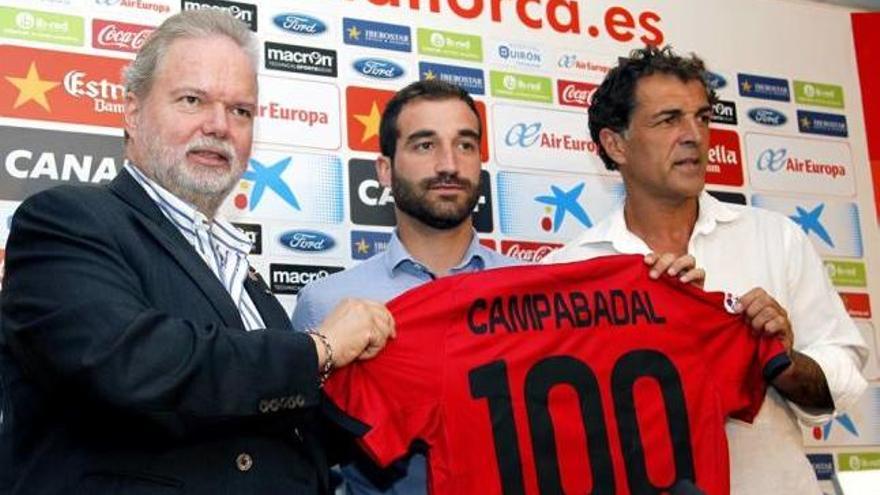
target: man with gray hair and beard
<point>139,352</point>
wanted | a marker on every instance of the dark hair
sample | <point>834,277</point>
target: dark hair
<point>433,90</point>
<point>612,104</point>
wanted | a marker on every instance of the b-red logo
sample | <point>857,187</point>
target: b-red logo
<point>725,159</point>
<point>574,93</point>
<point>120,36</point>
<point>530,252</point>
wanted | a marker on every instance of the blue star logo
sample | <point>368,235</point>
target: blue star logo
<point>844,421</point>
<point>263,177</point>
<point>809,221</point>
<point>566,201</point>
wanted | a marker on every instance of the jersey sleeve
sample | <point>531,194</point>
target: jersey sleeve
<point>743,364</point>
<point>395,398</point>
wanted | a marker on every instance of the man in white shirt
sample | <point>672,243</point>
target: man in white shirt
<point>650,118</point>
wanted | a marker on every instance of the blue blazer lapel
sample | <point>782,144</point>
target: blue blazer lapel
<point>270,309</point>
<point>154,222</point>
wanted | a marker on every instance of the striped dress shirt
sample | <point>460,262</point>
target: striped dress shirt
<point>223,247</point>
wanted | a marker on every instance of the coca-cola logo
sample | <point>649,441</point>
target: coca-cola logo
<point>122,36</point>
<point>529,252</point>
<point>575,93</point>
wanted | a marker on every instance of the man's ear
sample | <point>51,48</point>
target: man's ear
<point>614,145</point>
<point>132,113</point>
<point>383,170</point>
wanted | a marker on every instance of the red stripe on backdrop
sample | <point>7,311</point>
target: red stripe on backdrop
<point>866,35</point>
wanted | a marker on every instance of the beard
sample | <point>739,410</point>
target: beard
<point>204,187</point>
<point>412,199</point>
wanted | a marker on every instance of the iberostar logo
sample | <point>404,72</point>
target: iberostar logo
<point>266,177</point>
<point>62,87</point>
<point>364,113</point>
<point>809,221</point>
<point>563,202</point>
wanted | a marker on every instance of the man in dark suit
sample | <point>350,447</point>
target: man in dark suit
<point>139,352</point>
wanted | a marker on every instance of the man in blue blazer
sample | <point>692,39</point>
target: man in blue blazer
<point>139,353</point>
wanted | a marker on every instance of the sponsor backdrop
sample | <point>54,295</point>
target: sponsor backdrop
<point>789,133</point>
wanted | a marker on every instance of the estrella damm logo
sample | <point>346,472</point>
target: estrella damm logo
<point>61,87</point>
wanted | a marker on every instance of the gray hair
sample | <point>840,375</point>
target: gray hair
<point>138,75</point>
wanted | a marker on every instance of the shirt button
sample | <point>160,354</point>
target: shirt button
<point>244,462</point>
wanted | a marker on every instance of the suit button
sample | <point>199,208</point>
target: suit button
<point>244,462</point>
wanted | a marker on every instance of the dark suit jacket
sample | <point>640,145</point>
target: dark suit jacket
<point>124,367</point>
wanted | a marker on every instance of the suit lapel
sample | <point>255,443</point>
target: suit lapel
<point>154,222</point>
<point>271,311</point>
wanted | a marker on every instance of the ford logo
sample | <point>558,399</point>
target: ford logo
<point>299,24</point>
<point>378,68</point>
<point>306,241</point>
<point>715,80</point>
<point>768,116</point>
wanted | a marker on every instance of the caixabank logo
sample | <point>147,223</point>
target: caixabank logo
<point>832,226</point>
<point>62,87</point>
<point>244,12</point>
<point>34,159</point>
<point>373,204</point>
<point>294,187</point>
<point>860,426</point>
<point>557,208</point>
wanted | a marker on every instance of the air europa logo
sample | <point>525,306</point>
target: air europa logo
<point>775,160</point>
<point>62,87</point>
<point>146,5</point>
<point>300,24</point>
<point>526,135</point>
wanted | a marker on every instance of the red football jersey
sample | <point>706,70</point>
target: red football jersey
<point>574,378</point>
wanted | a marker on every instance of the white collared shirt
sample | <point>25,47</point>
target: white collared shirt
<point>741,248</point>
<point>221,246</point>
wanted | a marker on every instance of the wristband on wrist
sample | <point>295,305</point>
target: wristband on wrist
<point>327,368</point>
